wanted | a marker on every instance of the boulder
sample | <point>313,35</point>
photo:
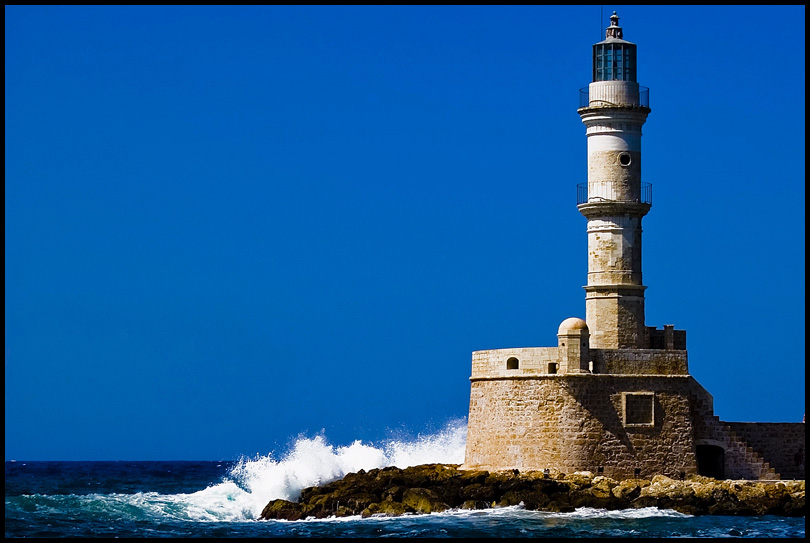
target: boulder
<point>629,489</point>
<point>283,510</point>
<point>386,509</point>
<point>423,500</point>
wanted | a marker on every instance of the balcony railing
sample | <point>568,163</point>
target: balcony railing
<point>607,191</point>
<point>585,99</point>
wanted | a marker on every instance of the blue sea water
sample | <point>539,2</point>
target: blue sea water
<point>223,499</point>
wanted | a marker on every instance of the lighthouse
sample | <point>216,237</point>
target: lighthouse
<point>613,108</point>
<point>614,397</point>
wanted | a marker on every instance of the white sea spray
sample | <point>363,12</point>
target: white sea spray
<point>313,461</point>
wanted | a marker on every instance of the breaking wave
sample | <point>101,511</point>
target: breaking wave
<point>253,482</point>
<point>314,461</point>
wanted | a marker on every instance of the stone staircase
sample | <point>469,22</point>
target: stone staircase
<point>742,462</point>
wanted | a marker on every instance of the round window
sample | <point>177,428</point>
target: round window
<point>625,159</point>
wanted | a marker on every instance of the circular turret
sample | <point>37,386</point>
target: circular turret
<point>573,340</point>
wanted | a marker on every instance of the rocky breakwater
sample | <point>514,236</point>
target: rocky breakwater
<point>433,488</point>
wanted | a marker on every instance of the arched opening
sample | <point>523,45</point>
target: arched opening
<point>512,363</point>
<point>711,461</point>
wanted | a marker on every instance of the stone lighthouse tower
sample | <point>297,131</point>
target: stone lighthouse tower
<point>613,108</point>
<point>613,397</point>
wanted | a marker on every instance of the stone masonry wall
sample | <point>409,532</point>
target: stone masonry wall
<point>577,422</point>
<point>782,444</point>
<point>639,361</point>
<point>530,361</point>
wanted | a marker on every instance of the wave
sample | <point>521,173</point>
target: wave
<point>641,512</point>
<point>516,512</point>
<point>313,462</point>
<point>253,482</point>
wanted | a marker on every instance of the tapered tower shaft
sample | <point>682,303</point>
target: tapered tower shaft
<point>613,108</point>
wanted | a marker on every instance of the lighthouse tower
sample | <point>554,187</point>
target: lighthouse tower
<point>613,108</point>
<point>613,397</point>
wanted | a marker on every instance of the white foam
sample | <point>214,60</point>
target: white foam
<point>313,461</point>
<point>444,447</point>
<point>642,512</point>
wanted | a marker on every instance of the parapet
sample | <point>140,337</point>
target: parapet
<point>639,362</point>
<point>668,338</point>
<point>520,362</point>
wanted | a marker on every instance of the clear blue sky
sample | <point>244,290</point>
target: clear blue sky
<point>228,226</point>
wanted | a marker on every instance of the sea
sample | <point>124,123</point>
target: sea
<point>204,499</point>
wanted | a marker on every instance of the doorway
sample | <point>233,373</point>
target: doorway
<point>711,461</point>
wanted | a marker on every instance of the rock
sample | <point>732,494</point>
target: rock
<point>430,488</point>
<point>530,499</point>
<point>475,504</point>
<point>283,510</point>
<point>393,494</point>
<point>579,479</point>
<point>629,489</point>
<point>602,487</point>
<point>423,500</point>
<point>478,492</point>
<point>386,509</point>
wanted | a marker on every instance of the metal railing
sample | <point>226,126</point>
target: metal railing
<point>605,193</point>
<point>585,99</point>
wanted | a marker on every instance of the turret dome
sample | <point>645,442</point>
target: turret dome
<point>572,323</point>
